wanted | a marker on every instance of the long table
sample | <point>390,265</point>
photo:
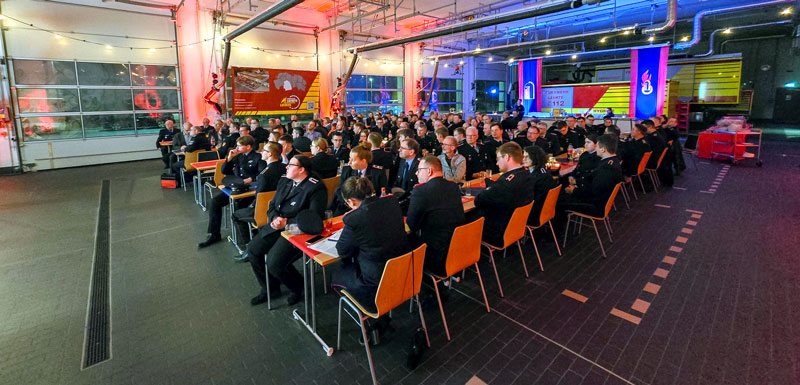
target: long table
<point>311,257</point>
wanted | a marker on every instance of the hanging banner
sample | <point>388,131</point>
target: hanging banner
<point>262,91</point>
<point>648,81</point>
<point>530,84</point>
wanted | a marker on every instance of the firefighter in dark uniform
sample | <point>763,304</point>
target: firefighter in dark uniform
<point>475,154</point>
<point>634,150</point>
<point>165,135</point>
<point>244,165</point>
<point>267,180</point>
<point>501,198</point>
<point>591,199</point>
<point>268,251</point>
<point>658,144</point>
<point>359,166</point>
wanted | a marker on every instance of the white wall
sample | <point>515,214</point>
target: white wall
<point>93,24</point>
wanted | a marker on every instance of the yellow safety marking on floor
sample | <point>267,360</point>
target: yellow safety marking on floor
<point>652,288</point>
<point>669,260</point>
<point>640,306</point>
<point>681,239</point>
<point>661,273</point>
<point>691,223</point>
<point>687,231</point>
<point>575,296</point>
<point>675,249</point>
<point>626,316</point>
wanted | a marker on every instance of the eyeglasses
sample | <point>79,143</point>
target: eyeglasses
<point>405,148</point>
<point>293,165</point>
<point>422,168</point>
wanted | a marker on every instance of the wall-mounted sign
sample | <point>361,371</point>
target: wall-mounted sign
<point>263,91</point>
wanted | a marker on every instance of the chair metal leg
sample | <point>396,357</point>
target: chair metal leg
<point>598,238</point>
<point>552,231</point>
<point>641,183</point>
<point>625,196</point>
<point>608,230</point>
<point>522,257</point>
<point>496,276</point>
<point>441,309</point>
<point>607,220</point>
<point>339,326</point>
<point>536,249</point>
<point>266,274</point>
<point>579,226</point>
<point>422,319</point>
<point>324,281</point>
<point>633,189</point>
<point>654,179</point>
<point>369,353</point>
<point>566,232</point>
<point>483,289</point>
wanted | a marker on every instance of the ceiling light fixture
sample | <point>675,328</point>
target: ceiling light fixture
<point>603,40</point>
<point>651,39</point>
<point>548,52</point>
<point>727,31</point>
<point>491,58</point>
<point>685,38</point>
<point>787,11</point>
<point>574,57</point>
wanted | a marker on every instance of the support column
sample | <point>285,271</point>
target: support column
<point>468,95</point>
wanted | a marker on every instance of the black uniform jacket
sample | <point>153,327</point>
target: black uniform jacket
<point>500,199</point>
<point>382,157</point>
<point>165,135</point>
<point>197,142</point>
<point>633,152</point>
<point>373,233</point>
<point>244,165</point>
<point>288,202</point>
<point>436,210</point>
<point>410,180</point>
<point>476,158</point>
<point>267,180</point>
<point>324,165</point>
<point>606,176</point>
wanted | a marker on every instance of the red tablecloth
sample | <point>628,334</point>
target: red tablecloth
<point>299,240</point>
<point>706,145</point>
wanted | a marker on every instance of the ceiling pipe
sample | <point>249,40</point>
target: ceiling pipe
<point>353,19</point>
<point>672,17</point>
<point>711,38</point>
<point>666,25</point>
<point>504,17</point>
<point>697,26</point>
<point>267,14</point>
<point>602,52</point>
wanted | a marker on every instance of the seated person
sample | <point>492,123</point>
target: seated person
<point>591,199</point>
<point>587,163</point>
<point>340,151</point>
<point>454,166</point>
<point>297,191</point>
<point>373,233</point>
<point>196,141</point>
<point>658,143</point>
<point>289,151</point>
<point>491,144</point>
<point>229,142</point>
<point>522,135</point>
<point>536,161</point>
<point>634,150</point>
<point>501,198</point>
<point>435,210</point>
<point>360,158</point>
<point>380,156</point>
<point>564,138</point>
<point>474,153</point>
<point>165,135</point>
<point>299,141</point>
<point>244,165</point>
<point>324,164</point>
<point>406,168</point>
<point>267,180</point>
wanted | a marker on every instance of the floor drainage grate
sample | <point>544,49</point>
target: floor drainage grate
<point>98,318</point>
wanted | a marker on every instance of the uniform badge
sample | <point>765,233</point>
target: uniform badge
<point>510,177</point>
<point>312,180</point>
<point>293,203</point>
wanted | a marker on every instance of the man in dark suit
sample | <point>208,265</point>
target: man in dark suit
<point>507,123</point>
<point>591,199</point>
<point>407,164</point>
<point>498,202</point>
<point>435,210</point>
<point>166,134</point>
<point>244,165</point>
<point>207,129</point>
<point>300,142</point>
<point>268,251</point>
<point>521,138</point>
<point>564,138</point>
<point>259,134</point>
<point>196,141</point>
<point>267,180</point>
<point>373,233</point>
<point>359,165</point>
<point>491,144</point>
<point>339,150</point>
<point>325,165</point>
<point>475,154</point>
<point>229,142</point>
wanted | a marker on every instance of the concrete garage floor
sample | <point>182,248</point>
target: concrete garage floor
<point>714,291</point>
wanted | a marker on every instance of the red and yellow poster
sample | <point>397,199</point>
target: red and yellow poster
<point>263,91</point>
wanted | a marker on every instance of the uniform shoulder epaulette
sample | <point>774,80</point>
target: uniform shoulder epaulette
<point>313,180</point>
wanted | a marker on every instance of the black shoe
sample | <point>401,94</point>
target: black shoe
<point>242,258</point>
<point>212,239</point>
<point>262,297</point>
<point>294,298</point>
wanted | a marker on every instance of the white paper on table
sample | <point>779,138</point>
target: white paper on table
<point>328,245</point>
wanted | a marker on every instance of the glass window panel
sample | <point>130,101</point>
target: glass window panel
<point>51,127</point>
<point>357,81</point>
<point>103,74</point>
<point>374,81</point>
<point>392,97</point>
<point>395,82</point>
<point>358,97</point>
<point>33,100</point>
<point>50,72</point>
<point>153,122</point>
<point>152,75</point>
<point>108,125</point>
<point>155,99</point>
<point>106,100</point>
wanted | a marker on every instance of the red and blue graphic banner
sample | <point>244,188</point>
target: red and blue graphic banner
<point>530,84</point>
<point>648,81</point>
